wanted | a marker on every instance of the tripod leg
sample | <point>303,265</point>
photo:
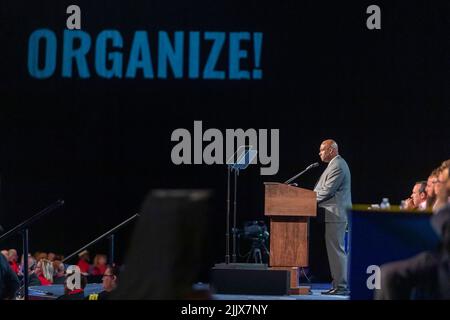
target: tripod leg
<point>257,256</point>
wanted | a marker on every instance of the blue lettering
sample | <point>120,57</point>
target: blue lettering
<point>169,54</point>
<point>184,62</point>
<point>194,54</point>
<point>140,56</point>
<point>50,53</point>
<point>78,55</point>
<point>114,57</point>
<point>219,39</point>
<point>236,54</point>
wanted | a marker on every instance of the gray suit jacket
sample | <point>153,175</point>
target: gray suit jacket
<point>334,190</point>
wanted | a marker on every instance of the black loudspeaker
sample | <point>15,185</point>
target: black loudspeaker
<point>240,279</point>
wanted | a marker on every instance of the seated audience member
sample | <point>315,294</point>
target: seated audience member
<point>51,256</point>
<point>9,283</point>
<point>12,259</point>
<point>58,273</point>
<point>431,195</point>
<point>38,256</point>
<point>5,254</point>
<point>44,272</point>
<point>109,281</point>
<point>418,198</point>
<point>33,279</point>
<point>424,276</point>
<point>420,195</point>
<point>446,163</point>
<point>73,290</point>
<point>440,186</point>
<point>83,262</point>
<point>20,273</point>
<point>99,266</point>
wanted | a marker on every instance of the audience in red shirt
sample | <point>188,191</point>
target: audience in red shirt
<point>83,263</point>
<point>99,266</point>
<point>12,259</point>
<point>44,271</point>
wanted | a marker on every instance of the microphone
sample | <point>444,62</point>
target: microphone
<point>314,165</point>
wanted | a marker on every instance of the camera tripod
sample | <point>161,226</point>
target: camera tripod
<point>257,250</point>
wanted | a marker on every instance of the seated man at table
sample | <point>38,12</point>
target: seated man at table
<point>431,195</point>
<point>418,198</point>
<point>109,282</point>
<point>426,275</point>
<point>440,186</point>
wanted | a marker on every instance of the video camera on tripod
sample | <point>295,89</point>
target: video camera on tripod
<point>256,232</point>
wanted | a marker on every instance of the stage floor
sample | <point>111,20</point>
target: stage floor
<point>52,292</point>
<point>316,289</point>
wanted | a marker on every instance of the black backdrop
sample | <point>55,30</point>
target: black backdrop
<point>102,144</point>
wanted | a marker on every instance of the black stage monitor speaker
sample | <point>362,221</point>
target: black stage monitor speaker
<point>249,279</point>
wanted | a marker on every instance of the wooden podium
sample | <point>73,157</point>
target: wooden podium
<point>289,209</point>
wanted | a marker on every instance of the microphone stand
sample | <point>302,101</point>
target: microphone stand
<point>248,156</point>
<point>298,175</point>
<point>227,232</point>
<point>236,173</point>
<point>233,229</point>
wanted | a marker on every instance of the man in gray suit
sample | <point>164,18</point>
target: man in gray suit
<point>334,195</point>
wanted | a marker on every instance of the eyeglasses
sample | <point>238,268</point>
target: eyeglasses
<point>108,275</point>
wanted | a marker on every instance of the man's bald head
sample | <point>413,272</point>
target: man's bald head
<point>328,150</point>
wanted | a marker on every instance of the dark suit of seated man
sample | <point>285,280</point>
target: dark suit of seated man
<point>424,276</point>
